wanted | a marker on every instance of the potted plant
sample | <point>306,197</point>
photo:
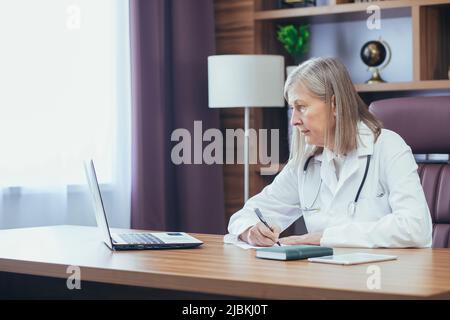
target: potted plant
<point>295,40</point>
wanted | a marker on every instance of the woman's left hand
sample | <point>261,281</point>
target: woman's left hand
<point>309,238</point>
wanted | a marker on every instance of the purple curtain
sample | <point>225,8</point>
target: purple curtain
<point>170,43</point>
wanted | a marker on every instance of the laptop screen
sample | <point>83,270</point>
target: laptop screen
<point>100,214</point>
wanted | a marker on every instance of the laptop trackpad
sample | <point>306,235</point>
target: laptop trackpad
<point>175,237</point>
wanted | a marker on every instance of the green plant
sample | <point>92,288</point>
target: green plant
<point>294,39</point>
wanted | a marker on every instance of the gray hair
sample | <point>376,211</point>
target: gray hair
<point>326,78</point>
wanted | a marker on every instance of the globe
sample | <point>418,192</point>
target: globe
<point>373,53</point>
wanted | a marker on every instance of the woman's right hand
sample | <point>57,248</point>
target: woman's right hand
<point>259,235</point>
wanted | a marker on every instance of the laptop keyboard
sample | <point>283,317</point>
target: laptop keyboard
<point>140,238</point>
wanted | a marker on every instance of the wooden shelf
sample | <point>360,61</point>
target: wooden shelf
<point>403,86</point>
<point>340,9</point>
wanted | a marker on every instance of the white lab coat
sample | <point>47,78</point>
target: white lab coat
<point>391,211</point>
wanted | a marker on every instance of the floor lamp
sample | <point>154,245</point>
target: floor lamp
<point>236,81</point>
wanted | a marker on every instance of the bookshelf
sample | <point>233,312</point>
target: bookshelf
<point>430,28</point>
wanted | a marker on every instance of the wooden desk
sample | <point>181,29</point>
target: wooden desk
<point>220,269</point>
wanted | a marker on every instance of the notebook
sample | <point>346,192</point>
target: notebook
<point>293,252</point>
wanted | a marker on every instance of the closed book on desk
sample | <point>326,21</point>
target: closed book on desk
<point>293,252</point>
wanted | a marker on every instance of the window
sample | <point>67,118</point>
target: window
<point>65,94</point>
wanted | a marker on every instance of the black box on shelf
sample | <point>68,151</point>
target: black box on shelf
<point>286,4</point>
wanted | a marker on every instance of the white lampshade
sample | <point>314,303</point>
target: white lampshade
<point>245,81</point>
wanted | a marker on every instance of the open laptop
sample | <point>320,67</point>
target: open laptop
<point>132,240</point>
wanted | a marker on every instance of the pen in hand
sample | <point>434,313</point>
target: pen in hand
<point>261,218</point>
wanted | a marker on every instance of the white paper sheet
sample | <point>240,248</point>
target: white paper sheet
<point>233,239</point>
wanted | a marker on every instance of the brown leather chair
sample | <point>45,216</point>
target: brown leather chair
<point>424,123</point>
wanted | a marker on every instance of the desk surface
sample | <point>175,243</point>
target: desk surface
<point>216,268</point>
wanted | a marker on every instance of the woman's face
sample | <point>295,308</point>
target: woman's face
<point>310,115</point>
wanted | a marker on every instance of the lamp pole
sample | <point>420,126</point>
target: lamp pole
<point>246,147</point>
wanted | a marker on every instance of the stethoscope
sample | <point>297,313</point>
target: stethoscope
<point>351,209</point>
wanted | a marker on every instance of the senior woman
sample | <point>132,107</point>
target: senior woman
<point>355,184</point>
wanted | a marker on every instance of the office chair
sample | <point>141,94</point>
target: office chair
<point>424,123</point>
